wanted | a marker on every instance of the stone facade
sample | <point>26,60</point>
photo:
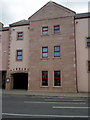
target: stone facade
<point>83,53</point>
<point>31,64</point>
<point>15,66</point>
<point>56,15</point>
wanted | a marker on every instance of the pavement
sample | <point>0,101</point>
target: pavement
<point>47,94</point>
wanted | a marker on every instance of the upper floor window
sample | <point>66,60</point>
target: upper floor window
<point>20,36</point>
<point>56,51</point>
<point>57,29</point>
<point>44,78</point>
<point>57,78</point>
<point>45,30</point>
<point>89,66</point>
<point>44,52</point>
<point>88,42</point>
<point>19,55</point>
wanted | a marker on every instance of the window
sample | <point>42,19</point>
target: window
<point>44,78</point>
<point>89,66</point>
<point>88,42</point>
<point>19,55</point>
<point>44,52</point>
<point>57,78</point>
<point>20,36</point>
<point>57,29</point>
<point>56,51</point>
<point>45,30</point>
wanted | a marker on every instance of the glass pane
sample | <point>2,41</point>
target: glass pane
<point>88,39</point>
<point>20,37</point>
<point>45,49</point>
<point>45,78</point>
<point>88,65</point>
<point>56,54</point>
<point>57,48</point>
<point>45,28</point>
<point>45,32</point>
<point>45,82</point>
<point>44,74</point>
<point>57,78</point>
<point>88,44</point>
<point>57,73</point>
<point>45,55</point>
<point>57,82</point>
<point>56,31</point>
<point>56,27</point>
<point>20,53</point>
<point>19,57</point>
<point>19,34</point>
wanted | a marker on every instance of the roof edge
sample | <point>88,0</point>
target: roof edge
<point>82,15</point>
<point>4,29</point>
<point>54,3</point>
<point>19,23</point>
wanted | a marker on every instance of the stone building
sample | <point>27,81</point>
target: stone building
<point>19,52</point>
<point>83,51</point>
<point>52,46</point>
<point>4,46</point>
<point>42,52</point>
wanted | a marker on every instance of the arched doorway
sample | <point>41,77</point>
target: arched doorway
<point>20,80</point>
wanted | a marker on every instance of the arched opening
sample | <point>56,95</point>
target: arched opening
<point>20,80</point>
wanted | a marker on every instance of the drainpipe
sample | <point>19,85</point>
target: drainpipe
<point>75,55</point>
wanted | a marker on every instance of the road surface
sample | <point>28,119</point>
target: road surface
<point>15,106</point>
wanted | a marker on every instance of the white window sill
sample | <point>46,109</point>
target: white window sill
<point>45,58</point>
<point>56,58</point>
<point>44,86</point>
<point>57,86</point>
<point>44,35</point>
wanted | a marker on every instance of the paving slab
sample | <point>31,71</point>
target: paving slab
<point>38,93</point>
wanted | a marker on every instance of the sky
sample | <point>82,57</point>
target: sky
<point>15,10</point>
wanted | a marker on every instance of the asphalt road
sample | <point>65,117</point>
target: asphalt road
<point>15,106</point>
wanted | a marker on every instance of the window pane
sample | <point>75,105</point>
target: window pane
<point>56,54</point>
<point>45,52</point>
<point>45,32</point>
<point>57,51</point>
<point>45,55</point>
<point>20,35</point>
<point>57,73</point>
<point>88,65</point>
<point>88,39</point>
<point>56,29</point>
<point>57,79</point>
<point>19,53</point>
<point>45,49</point>
<point>57,82</point>
<point>45,78</point>
<point>57,48</point>
<point>45,74</point>
<point>88,44</point>
<point>45,28</point>
<point>19,57</point>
